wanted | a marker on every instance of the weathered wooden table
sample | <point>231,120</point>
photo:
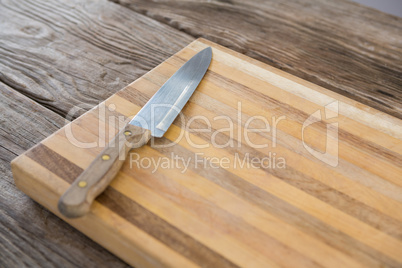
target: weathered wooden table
<point>58,55</point>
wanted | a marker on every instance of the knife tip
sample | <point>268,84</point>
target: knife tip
<point>207,51</point>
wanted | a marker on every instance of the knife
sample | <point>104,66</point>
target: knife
<point>153,120</point>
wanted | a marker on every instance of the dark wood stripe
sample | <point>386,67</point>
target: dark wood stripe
<point>333,197</point>
<point>134,212</point>
<point>329,195</point>
<point>282,209</point>
<point>222,220</point>
<point>162,230</point>
<point>300,180</point>
<point>280,107</point>
<point>301,116</point>
<point>54,162</point>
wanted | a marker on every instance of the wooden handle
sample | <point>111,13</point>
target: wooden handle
<point>77,200</point>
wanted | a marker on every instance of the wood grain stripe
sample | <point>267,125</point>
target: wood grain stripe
<point>162,230</point>
<point>275,205</point>
<point>203,209</point>
<point>337,199</point>
<point>237,252</point>
<point>281,108</point>
<point>372,156</point>
<point>283,210</point>
<point>292,213</point>
<point>135,96</point>
<point>103,224</point>
<point>133,100</point>
<point>263,92</point>
<point>309,203</point>
<point>133,212</point>
<point>303,89</point>
<point>353,142</point>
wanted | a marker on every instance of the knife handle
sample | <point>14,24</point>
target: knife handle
<point>77,200</point>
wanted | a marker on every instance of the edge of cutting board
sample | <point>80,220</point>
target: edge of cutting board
<point>124,240</point>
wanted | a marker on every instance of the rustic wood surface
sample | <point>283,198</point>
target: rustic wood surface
<point>342,46</point>
<point>303,213</point>
<point>57,55</point>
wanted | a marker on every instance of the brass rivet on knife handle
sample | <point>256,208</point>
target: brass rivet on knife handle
<point>105,157</point>
<point>77,200</point>
<point>82,184</point>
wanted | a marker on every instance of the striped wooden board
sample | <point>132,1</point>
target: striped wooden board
<point>319,184</point>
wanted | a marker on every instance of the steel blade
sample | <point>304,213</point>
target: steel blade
<point>161,110</point>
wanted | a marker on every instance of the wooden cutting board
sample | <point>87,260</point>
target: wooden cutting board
<point>265,170</point>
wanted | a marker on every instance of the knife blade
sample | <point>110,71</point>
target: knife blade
<point>153,120</point>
